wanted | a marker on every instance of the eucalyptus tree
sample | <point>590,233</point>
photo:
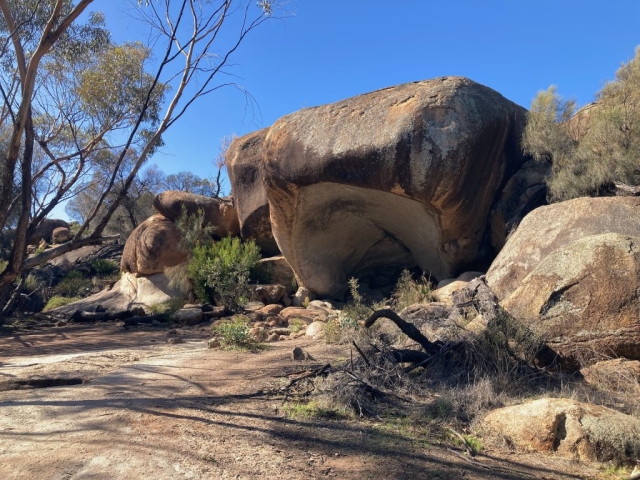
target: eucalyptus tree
<point>69,94</point>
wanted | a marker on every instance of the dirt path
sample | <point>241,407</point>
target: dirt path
<point>151,410</point>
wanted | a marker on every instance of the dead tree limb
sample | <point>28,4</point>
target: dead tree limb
<point>407,328</point>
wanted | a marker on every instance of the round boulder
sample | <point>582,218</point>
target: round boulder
<point>549,228</point>
<point>60,235</point>
<point>44,231</point>
<point>219,213</point>
<point>152,247</point>
<point>568,428</point>
<point>583,298</point>
<point>400,177</point>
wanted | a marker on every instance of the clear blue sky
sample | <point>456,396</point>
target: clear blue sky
<point>333,49</point>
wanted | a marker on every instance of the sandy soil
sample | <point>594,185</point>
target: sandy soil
<point>146,409</point>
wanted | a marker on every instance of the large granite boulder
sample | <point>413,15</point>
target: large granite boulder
<point>549,228</point>
<point>218,212</point>
<point>583,299</point>
<point>44,231</point>
<point>567,428</point>
<point>152,247</point>
<point>244,164</point>
<point>396,178</point>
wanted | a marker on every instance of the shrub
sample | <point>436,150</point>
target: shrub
<point>105,267</point>
<point>409,291</point>
<point>57,301</point>
<point>194,230</point>
<point>221,271</point>
<point>599,146</point>
<point>234,334</point>
<point>73,285</point>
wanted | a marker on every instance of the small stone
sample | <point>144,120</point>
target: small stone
<point>61,323</point>
<point>315,329</point>
<point>274,337</point>
<point>173,331</point>
<point>302,297</point>
<point>174,340</point>
<point>299,354</point>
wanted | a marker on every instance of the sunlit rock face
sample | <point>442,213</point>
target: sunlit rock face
<point>401,177</point>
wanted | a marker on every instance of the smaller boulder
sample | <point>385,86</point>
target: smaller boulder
<point>218,212</point>
<point>280,272</point>
<point>618,374</point>
<point>302,297</point>
<point>269,294</point>
<point>316,329</point>
<point>44,231</point>
<point>568,428</point>
<point>272,309</point>
<point>60,235</point>
<point>188,316</point>
<point>174,340</point>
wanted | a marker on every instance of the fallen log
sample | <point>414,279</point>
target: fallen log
<point>80,316</point>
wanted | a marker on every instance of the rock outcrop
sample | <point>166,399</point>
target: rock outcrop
<point>218,212</point>
<point>584,298</point>
<point>244,164</point>
<point>550,228</point>
<point>399,177</point>
<point>568,428</point>
<point>152,247</point>
<point>60,235</point>
<point>44,231</point>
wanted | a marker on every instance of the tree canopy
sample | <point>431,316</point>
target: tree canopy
<point>594,149</point>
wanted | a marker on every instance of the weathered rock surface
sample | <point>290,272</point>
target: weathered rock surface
<point>568,428</point>
<point>60,235</point>
<point>524,192</point>
<point>131,291</point>
<point>402,176</point>
<point>218,212</point>
<point>244,165</point>
<point>44,231</point>
<point>188,316</point>
<point>302,297</point>
<point>268,294</point>
<point>583,298</point>
<point>316,329</point>
<point>619,374</point>
<point>549,228</point>
<point>279,271</point>
<point>152,247</point>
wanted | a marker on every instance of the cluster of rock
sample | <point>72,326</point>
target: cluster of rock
<point>428,175</point>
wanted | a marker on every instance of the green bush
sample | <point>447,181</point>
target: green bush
<point>234,334</point>
<point>55,302</point>
<point>73,285</point>
<point>105,267</point>
<point>221,271</point>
